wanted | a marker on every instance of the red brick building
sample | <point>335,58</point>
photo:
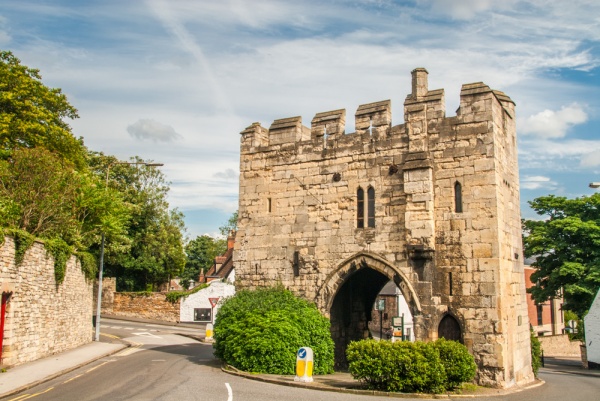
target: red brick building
<point>546,318</point>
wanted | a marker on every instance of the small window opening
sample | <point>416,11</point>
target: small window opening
<point>325,137</point>
<point>371,207</point>
<point>540,314</point>
<point>371,126</point>
<point>458,207</point>
<point>450,283</point>
<point>360,208</point>
<point>269,205</point>
<point>296,263</point>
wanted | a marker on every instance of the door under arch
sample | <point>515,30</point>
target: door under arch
<point>351,310</point>
<point>449,329</point>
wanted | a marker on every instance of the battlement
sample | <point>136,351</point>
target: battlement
<point>424,115</point>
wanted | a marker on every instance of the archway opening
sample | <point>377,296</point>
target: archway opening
<point>395,321</point>
<point>352,308</point>
<point>449,329</point>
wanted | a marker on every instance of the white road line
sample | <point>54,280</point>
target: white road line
<point>229,392</point>
<point>146,334</point>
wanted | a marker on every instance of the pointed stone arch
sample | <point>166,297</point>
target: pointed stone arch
<point>335,279</point>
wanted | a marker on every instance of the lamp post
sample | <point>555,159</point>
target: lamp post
<point>101,262</point>
<point>594,184</point>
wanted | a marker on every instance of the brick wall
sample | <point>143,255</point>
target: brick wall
<point>42,317</point>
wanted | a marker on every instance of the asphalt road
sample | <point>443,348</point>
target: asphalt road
<point>163,365</point>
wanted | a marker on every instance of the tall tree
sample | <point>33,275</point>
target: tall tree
<point>231,225</point>
<point>44,195</point>
<point>33,115</point>
<point>155,231</point>
<point>201,253</point>
<point>566,247</point>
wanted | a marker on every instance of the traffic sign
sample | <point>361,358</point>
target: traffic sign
<point>213,301</point>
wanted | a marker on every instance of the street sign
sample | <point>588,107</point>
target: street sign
<point>213,301</point>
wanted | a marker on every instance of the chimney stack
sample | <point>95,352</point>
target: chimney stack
<point>419,82</point>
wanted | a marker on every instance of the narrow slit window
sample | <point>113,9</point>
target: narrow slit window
<point>269,205</point>
<point>458,207</point>
<point>360,208</point>
<point>450,283</point>
<point>371,207</point>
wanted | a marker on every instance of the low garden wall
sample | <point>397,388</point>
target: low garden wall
<point>559,345</point>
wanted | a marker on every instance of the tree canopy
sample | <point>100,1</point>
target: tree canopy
<point>33,115</point>
<point>566,248</point>
<point>201,253</point>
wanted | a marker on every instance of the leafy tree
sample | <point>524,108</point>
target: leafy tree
<point>567,250</point>
<point>231,225</point>
<point>43,195</point>
<point>201,253</point>
<point>155,232</point>
<point>33,115</point>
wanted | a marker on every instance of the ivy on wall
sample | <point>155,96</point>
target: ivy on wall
<point>61,251</point>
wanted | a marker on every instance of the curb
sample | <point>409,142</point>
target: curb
<point>316,386</point>
<point>62,372</point>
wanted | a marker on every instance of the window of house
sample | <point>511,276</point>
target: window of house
<point>540,315</point>
<point>360,208</point>
<point>371,207</point>
<point>202,315</point>
<point>458,207</point>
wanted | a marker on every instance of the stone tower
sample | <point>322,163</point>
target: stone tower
<point>432,204</point>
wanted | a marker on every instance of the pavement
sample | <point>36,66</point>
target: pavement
<point>33,373</point>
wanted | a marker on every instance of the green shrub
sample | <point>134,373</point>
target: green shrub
<point>23,241</point>
<point>174,296</point>
<point>410,366</point>
<point>536,354</point>
<point>261,331</point>
<point>459,365</point>
<point>88,263</point>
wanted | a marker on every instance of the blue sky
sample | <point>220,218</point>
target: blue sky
<point>175,81</point>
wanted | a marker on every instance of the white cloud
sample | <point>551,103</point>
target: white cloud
<point>153,130</point>
<point>591,159</point>
<point>465,9</point>
<point>537,182</point>
<point>553,124</point>
<point>228,174</point>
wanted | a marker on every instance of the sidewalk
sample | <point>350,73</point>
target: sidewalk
<point>33,373</point>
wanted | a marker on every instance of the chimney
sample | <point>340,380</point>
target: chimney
<point>419,82</point>
<point>231,239</point>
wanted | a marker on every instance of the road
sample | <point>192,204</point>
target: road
<point>164,365</point>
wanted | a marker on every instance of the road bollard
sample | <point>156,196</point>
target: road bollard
<point>304,365</point>
<point>209,332</point>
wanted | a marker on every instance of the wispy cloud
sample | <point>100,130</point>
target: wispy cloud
<point>152,130</point>
<point>591,159</point>
<point>537,182</point>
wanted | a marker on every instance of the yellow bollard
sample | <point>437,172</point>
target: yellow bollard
<point>304,365</point>
<point>209,332</point>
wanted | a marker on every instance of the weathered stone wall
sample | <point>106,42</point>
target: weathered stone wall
<point>109,288</point>
<point>42,317</point>
<point>152,306</point>
<point>560,345</point>
<point>298,218</point>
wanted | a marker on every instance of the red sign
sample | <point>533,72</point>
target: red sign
<point>213,301</point>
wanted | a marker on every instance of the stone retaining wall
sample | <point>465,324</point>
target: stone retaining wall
<point>144,305</point>
<point>42,317</point>
<point>560,346</point>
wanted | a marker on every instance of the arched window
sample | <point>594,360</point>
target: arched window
<point>360,208</point>
<point>371,207</point>
<point>458,207</point>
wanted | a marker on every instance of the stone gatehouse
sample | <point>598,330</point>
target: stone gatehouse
<point>432,204</point>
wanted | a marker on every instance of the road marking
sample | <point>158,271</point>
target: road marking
<point>146,334</point>
<point>159,360</point>
<point>72,378</point>
<point>229,392</point>
<point>28,396</point>
<point>135,347</point>
<point>96,367</point>
<point>109,335</point>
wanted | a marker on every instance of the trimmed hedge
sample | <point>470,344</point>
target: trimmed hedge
<point>414,367</point>
<point>261,331</point>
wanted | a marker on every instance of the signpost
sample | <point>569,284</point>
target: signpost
<point>213,303</point>
<point>381,308</point>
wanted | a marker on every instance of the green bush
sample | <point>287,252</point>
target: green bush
<point>536,354</point>
<point>261,331</point>
<point>459,365</point>
<point>410,366</point>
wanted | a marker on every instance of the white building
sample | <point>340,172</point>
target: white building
<point>592,333</point>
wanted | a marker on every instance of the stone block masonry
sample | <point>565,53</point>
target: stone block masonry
<point>431,204</point>
<point>42,317</point>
